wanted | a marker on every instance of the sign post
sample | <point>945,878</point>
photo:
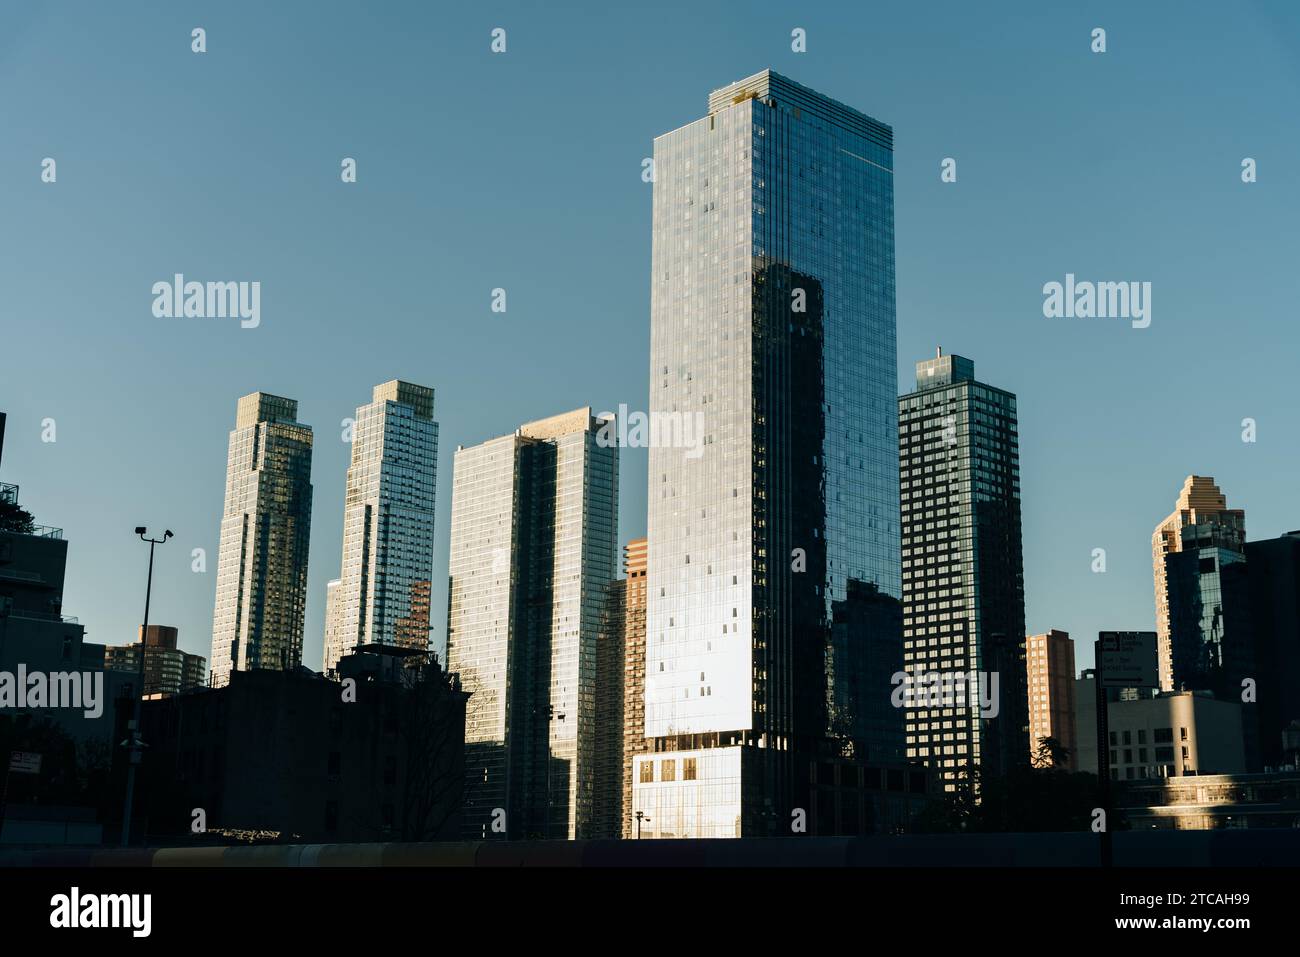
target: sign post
<point>20,762</point>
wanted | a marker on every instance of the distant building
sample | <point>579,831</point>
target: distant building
<point>388,512</point>
<point>1199,503</point>
<point>1274,573</point>
<point>1049,660</point>
<point>1176,733</point>
<point>289,754</point>
<point>261,597</point>
<point>167,669</point>
<point>534,549</point>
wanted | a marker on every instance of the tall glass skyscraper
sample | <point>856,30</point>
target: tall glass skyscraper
<point>772,326</point>
<point>534,550</point>
<point>265,531</point>
<point>384,585</point>
<point>963,572</point>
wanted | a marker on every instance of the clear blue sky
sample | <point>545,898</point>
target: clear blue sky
<point>522,171</point>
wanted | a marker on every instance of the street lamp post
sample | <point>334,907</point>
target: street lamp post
<point>133,744</point>
<point>640,816</point>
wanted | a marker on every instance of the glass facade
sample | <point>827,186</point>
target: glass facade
<point>387,567</point>
<point>963,576</point>
<point>265,531</point>
<point>1199,503</point>
<point>772,324</point>
<point>534,551</point>
<point>1211,634</point>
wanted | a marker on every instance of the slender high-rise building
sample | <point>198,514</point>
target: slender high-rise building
<point>1049,660</point>
<point>265,532</point>
<point>772,344</point>
<point>534,550</point>
<point>384,585</point>
<point>633,678</point>
<point>963,576</point>
<point>620,694</point>
<point>1199,503</point>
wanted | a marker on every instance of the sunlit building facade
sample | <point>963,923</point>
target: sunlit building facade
<point>1049,664</point>
<point>1199,503</point>
<point>167,669</point>
<point>772,325</point>
<point>261,596</point>
<point>634,737</point>
<point>387,566</point>
<point>534,551</point>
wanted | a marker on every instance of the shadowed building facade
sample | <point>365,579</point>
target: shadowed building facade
<point>963,576</point>
<point>534,550</point>
<point>1274,571</point>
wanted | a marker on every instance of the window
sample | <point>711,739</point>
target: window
<point>688,769</point>
<point>648,771</point>
<point>1164,735</point>
<point>669,770</point>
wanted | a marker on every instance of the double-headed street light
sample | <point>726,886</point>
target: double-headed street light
<point>133,744</point>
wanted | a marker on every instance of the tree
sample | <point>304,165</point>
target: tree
<point>1050,754</point>
<point>15,518</point>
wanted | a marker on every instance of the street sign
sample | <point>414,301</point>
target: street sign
<point>25,762</point>
<point>1128,659</point>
